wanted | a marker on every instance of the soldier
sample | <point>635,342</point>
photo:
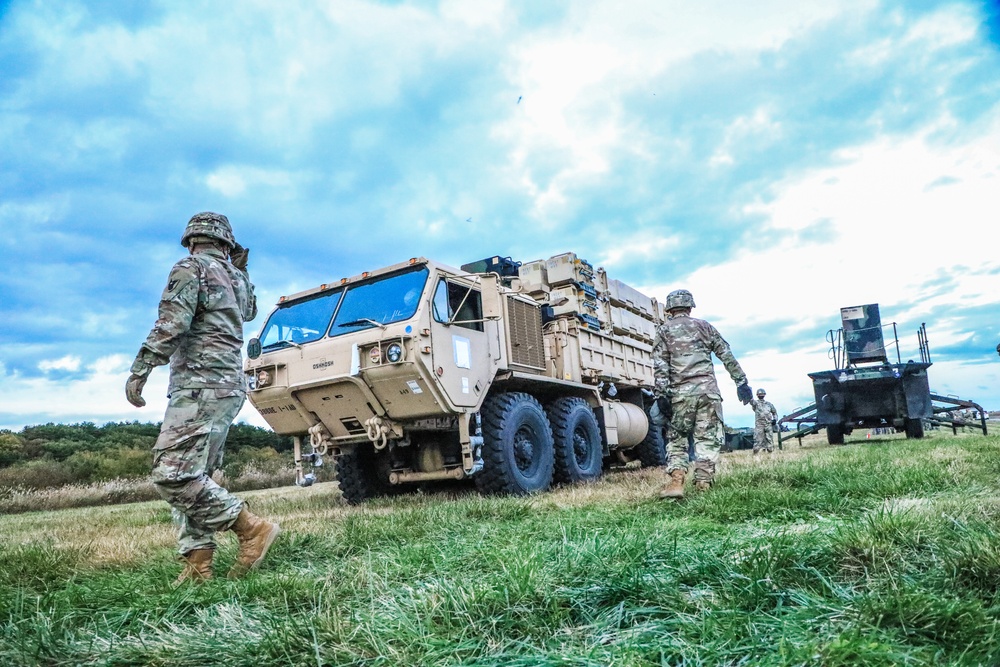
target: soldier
<point>687,394</point>
<point>764,420</point>
<point>199,331</point>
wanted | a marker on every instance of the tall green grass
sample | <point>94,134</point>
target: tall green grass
<point>880,553</point>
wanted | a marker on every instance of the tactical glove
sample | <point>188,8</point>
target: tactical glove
<point>744,392</point>
<point>133,390</point>
<point>239,257</point>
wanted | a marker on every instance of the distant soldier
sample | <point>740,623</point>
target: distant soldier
<point>765,418</point>
<point>687,393</point>
<point>199,331</point>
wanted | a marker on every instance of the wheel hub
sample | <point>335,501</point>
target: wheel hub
<point>524,452</point>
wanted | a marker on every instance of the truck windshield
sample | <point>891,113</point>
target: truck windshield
<point>382,301</point>
<point>389,299</point>
<point>300,321</point>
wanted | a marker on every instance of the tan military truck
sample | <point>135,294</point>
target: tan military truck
<point>516,376</point>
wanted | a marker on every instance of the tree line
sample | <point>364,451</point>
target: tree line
<point>49,455</point>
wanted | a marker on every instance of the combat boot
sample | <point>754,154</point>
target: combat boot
<point>704,475</point>
<point>256,536</point>
<point>197,566</point>
<point>675,488</point>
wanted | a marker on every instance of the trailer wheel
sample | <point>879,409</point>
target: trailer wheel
<point>835,434</point>
<point>577,440</point>
<point>652,451</point>
<point>517,446</point>
<point>914,428</point>
<point>363,473</point>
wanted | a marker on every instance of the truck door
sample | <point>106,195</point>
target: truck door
<point>461,351</point>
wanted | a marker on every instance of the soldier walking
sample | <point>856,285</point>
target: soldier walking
<point>764,418</point>
<point>687,393</point>
<point>199,331</point>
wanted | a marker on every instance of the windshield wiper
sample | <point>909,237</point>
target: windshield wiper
<point>362,320</point>
<point>281,342</point>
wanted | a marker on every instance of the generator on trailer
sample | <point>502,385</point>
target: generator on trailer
<point>515,375</point>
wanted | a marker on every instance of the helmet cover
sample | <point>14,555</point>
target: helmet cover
<point>680,298</point>
<point>212,225</point>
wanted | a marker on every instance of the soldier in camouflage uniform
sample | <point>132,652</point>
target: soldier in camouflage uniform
<point>764,417</point>
<point>199,331</point>
<point>687,394</point>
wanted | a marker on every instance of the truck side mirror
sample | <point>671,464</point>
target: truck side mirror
<point>492,305</point>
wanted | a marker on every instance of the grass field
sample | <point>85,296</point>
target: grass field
<point>880,552</point>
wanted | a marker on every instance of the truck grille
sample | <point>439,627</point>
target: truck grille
<point>525,335</point>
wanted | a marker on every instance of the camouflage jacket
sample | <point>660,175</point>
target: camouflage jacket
<point>682,358</point>
<point>763,412</point>
<point>199,329</point>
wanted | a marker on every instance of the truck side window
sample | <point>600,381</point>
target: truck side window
<point>459,304</point>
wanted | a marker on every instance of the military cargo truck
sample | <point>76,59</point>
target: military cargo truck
<point>514,375</point>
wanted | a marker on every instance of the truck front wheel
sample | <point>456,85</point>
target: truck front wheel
<point>517,446</point>
<point>577,440</point>
<point>363,473</point>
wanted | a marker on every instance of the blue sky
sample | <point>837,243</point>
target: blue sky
<point>780,159</point>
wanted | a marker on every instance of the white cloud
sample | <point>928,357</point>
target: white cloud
<point>887,236</point>
<point>233,180</point>
<point>97,397</point>
<point>67,363</point>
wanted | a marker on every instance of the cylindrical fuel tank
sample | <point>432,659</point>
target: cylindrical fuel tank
<point>630,420</point>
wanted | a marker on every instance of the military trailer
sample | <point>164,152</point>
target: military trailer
<point>514,375</point>
<point>866,390</point>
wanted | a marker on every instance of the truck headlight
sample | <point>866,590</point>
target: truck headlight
<point>394,353</point>
<point>263,379</point>
<point>375,355</point>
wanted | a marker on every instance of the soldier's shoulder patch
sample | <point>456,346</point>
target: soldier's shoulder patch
<point>183,274</point>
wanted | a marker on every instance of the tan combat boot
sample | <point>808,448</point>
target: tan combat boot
<point>675,488</point>
<point>256,536</point>
<point>197,567</point>
<point>704,475</point>
<point>703,484</point>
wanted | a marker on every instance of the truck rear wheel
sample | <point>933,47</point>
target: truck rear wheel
<point>363,473</point>
<point>914,428</point>
<point>652,451</point>
<point>577,440</point>
<point>517,446</point>
<point>835,434</point>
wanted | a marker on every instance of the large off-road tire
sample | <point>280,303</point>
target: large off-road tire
<point>835,434</point>
<point>363,473</point>
<point>517,446</point>
<point>577,440</point>
<point>914,428</point>
<point>652,451</point>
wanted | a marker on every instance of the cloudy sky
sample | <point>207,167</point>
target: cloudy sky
<point>781,159</point>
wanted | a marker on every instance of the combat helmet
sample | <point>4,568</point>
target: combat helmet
<point>761,393</point>
<point>213,225</point>
<point>680,298</point>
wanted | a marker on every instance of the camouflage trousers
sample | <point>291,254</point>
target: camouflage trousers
<point>698,416</point>
<point>188,450</point>
<point>762,438</point>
